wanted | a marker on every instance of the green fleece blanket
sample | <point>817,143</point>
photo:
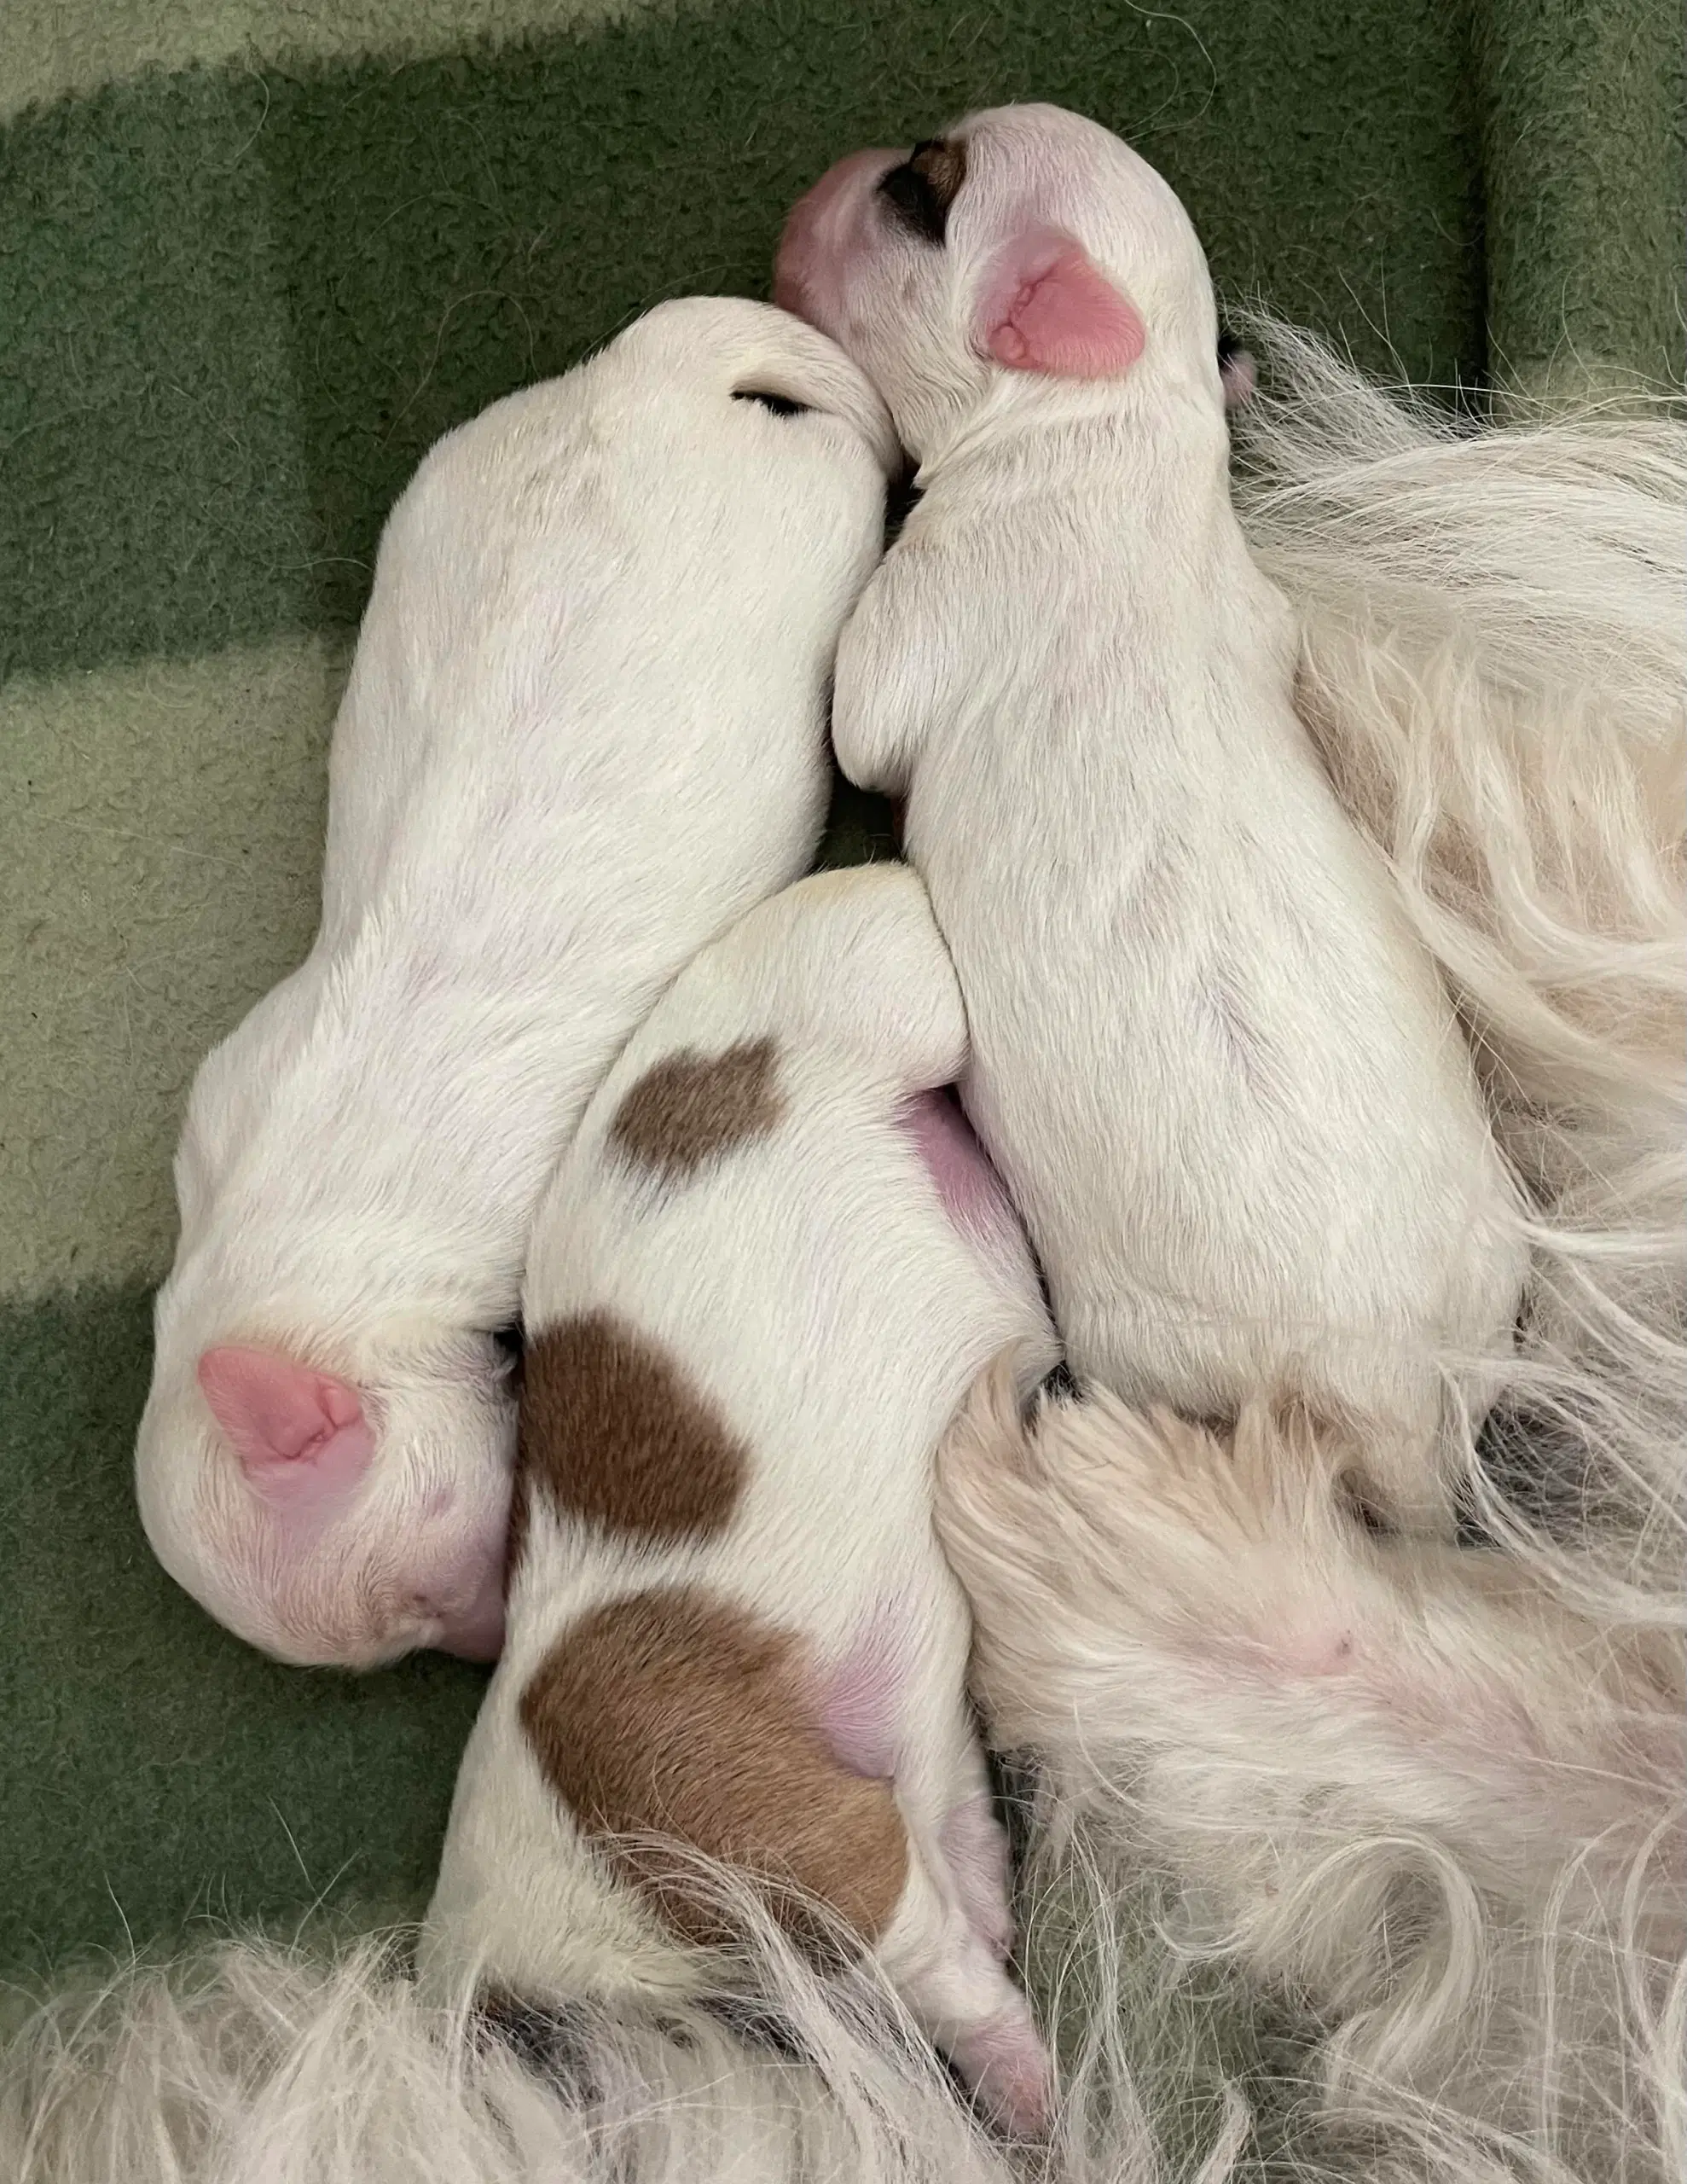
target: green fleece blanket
<point>254,256</point>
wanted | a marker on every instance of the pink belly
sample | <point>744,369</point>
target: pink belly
<point>973,1195</point>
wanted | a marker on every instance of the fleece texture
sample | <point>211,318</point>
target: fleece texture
<point>1584,163</point>
<point>253,258</point>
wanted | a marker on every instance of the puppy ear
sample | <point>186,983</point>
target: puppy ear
<point>1048,307</point>
<point>301,1436</point>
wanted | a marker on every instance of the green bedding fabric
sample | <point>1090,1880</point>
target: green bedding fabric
<point>254,256</point>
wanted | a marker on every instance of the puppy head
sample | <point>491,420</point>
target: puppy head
<point>1026,241</point>
<point>334,1502</point>
<point>744,370</point>
<point>761,454</point>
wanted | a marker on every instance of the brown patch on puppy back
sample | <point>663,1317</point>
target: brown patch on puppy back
<point>677,1713</point>
<point>613,1431</point>
<point>690,1108</point>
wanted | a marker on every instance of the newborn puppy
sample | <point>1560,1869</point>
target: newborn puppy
<point>757,1289</point>
<point>584,729</point>
<point>1218,1074</point>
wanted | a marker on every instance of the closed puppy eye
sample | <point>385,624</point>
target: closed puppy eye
<point>781,405</point>
<point>920,191</point>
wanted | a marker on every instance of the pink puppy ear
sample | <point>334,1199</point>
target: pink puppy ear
<point>301,1436</point>
<point>1048,308</point>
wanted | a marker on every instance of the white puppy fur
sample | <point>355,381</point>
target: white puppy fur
<point>585,728</point>
<point>1210,1057</point>
<point>768,1267</point>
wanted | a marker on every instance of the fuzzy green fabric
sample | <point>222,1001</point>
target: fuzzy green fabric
<point>254,256</point>
<point>1585,159</point>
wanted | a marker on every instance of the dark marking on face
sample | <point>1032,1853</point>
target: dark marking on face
<point>689,1108</point>
<point>921,190</point>
<point>676,1712</point>
<point>614,1432</point>
<point>782,406</point>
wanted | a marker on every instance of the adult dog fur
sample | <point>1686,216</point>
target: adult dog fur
<point>1438,1794</point>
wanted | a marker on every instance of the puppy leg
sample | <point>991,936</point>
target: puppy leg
<point>885,685</point>
<point>953,1980</point>
<point>948,1939</point>
<point>974,1845</point>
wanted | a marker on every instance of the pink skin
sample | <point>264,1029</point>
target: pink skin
<point>305,1446</point>
<point>1008,2064</point>
<point>1047,308</point>
<point>1240,376</point>
<point>825,229</point>
<point>1044,306</point>
<point>973,1195</point>
<point>301,1436</point>
<point>860,1698</point>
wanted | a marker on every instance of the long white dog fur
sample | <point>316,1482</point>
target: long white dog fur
<point>585,728</point>
<point>1493,646</point>
<point>1440,1793</point>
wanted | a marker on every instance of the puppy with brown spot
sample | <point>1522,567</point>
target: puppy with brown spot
<point>757,1290</point>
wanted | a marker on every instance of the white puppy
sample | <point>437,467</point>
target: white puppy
<point>757,1288</point>
<point>585,728</point>
<point>1215,1070</point>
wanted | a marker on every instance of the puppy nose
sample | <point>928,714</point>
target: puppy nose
<point>819,224</point>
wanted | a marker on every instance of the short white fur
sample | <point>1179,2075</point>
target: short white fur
<point>814,1287</point>
<point>1214,1065</point>
<point>585,728</point>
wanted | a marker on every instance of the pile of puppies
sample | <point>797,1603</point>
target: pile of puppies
<point>1323,1153</point>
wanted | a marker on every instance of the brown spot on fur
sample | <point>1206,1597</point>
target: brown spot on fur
<point>613,1432</point>
<point>676,1713</point>
<point>690,1108</point>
